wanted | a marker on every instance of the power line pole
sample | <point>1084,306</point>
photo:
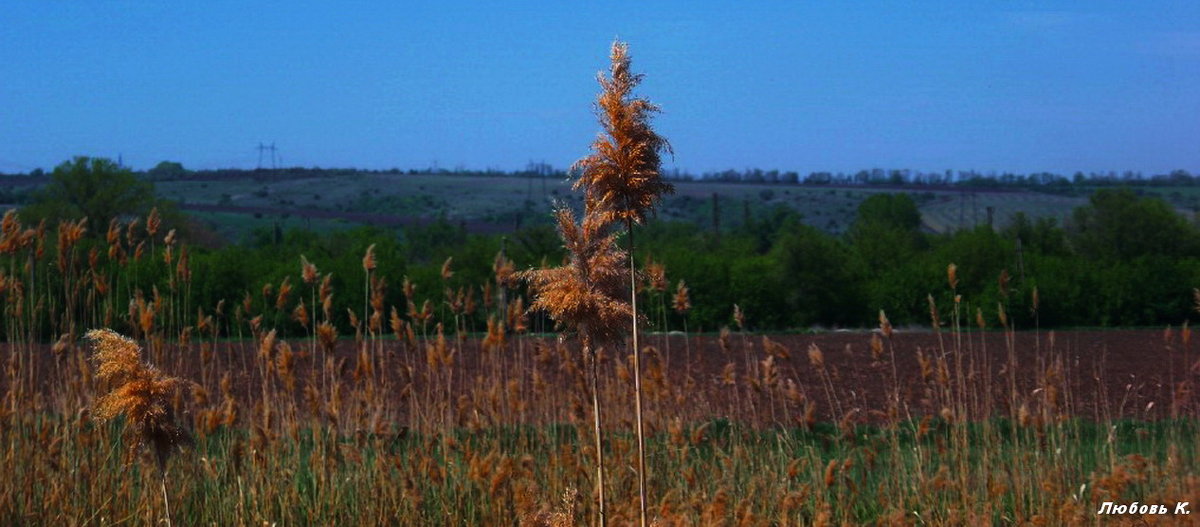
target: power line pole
<point>263,148</point>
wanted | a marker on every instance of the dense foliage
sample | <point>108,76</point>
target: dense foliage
<point>1122,260</point>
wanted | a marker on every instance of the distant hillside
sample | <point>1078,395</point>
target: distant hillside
<point>235,202</point>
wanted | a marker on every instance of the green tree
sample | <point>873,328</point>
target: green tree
<point>816,278</point>
<point>1117,224</point>
<point>167,170</point>
<point>886,230</point>
<point>91,187</point>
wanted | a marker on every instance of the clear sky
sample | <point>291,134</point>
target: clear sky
<point>805,86</point>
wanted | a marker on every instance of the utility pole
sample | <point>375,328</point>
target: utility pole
<point>716,216</point>
<point>962,204</point>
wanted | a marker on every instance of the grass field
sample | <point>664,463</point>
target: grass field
<point>410,419</point>
<point>450,431</point>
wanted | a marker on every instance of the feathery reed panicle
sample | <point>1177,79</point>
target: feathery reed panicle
<point>308,271</point>
<point>368,261</point>
<point>681,303</point>
<point>622,182</point>
<point>622,173</point>
<point>585,295</point>
<point>138,391</point>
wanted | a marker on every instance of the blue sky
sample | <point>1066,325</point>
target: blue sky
<point>805,86</point>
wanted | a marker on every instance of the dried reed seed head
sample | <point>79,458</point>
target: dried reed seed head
<point>378,292</point>
<point>285,290</point>
<point>300,314</point>
<point>368,261</point>
<point>621,177</point>
<point>182,269</point>
<point>494,341</point>
<point>396,323</point>
<point>116,356</point>
<point>153,222</point>
<point>202,321</point>
<point>815,357</point>
<point>1003,282</point>
<point>587,293</point>
<point>952,276</point>
<point>11,224</point>
<point>447,272</point>
<point>113,235</point>
<point>169,239</point>
<point>468,300</point>
<point>266,348</point>
<point>656,276</point>
<point>308,271</point>
<point>739,317</point>
<point>454,299</point>
<point>681,303</point>
<point>503,270</point>
<point>885,326</point>
<point>775,349</point>
<point>138,391</point>
<point>146,312</point>
<point>327,336</point>
<point>284,359</point>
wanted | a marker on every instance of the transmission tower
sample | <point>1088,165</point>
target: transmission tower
<point>264,148</point>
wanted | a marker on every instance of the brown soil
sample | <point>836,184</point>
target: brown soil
<point>1087,374</point>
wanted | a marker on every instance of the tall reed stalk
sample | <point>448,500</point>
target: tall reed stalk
<point>621,177</point>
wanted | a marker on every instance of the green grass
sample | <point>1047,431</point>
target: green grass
<point>236,226</point>
<point>314,476</point>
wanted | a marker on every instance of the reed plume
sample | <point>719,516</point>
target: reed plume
<point>622,179</point>
<point>141,393</point>
<point>585,298</point>
<point>622,173</point>
<point>682,303</point>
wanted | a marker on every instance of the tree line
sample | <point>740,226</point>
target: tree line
<point>1120,260</point>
